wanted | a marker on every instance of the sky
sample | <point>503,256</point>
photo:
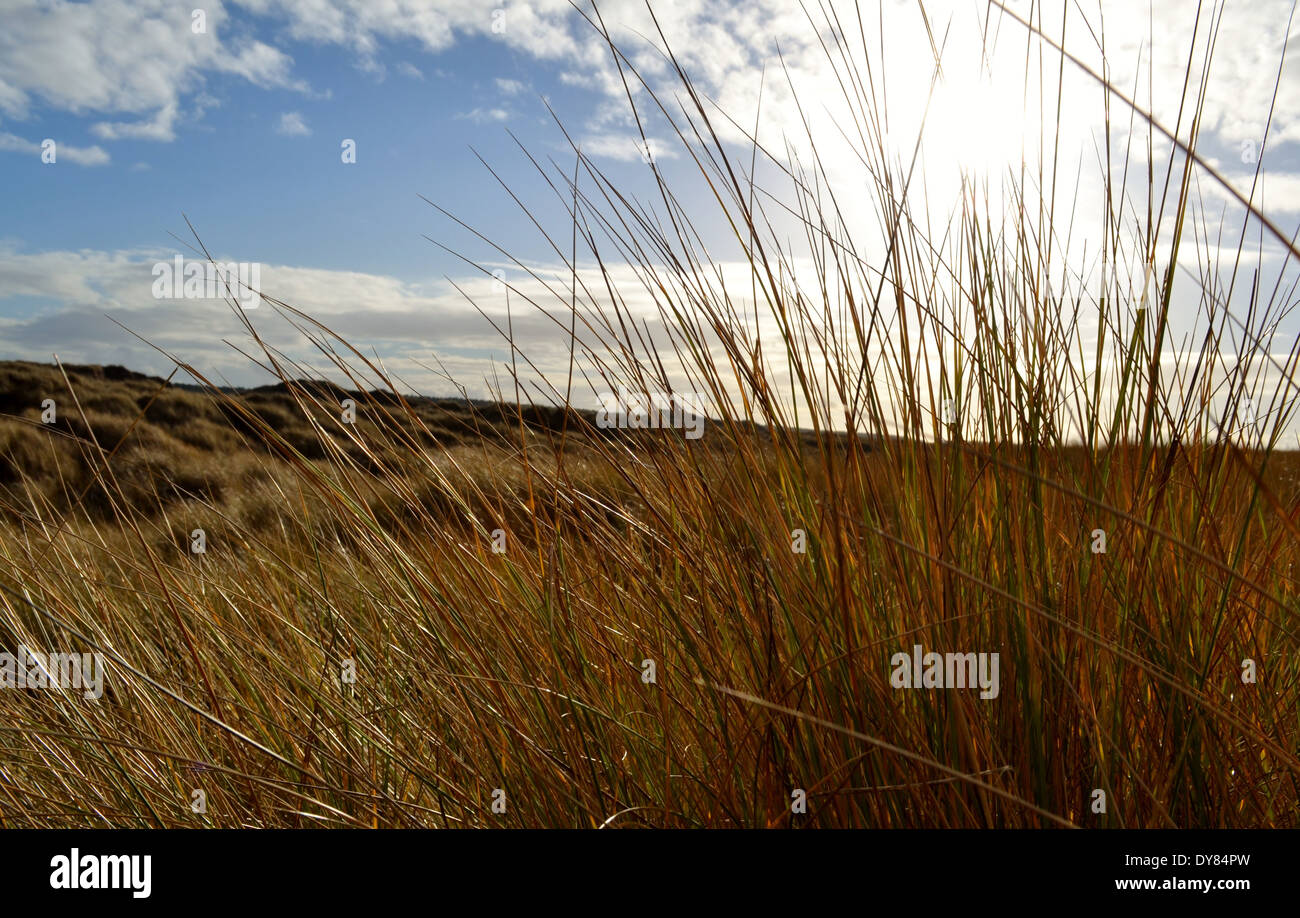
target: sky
<point>237,117</point>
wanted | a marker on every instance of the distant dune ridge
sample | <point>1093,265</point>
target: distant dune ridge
<point>188,441</point>
<point>176,440</point>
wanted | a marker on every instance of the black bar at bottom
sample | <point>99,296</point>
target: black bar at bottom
<point>650,869</point>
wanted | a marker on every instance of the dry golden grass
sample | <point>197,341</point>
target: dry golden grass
<point>523,671</point>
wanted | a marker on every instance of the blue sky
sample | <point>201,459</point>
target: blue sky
<point>250,152</point>
<point>239,127</point>
<point>260,172</point>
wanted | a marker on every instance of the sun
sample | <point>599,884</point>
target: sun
<point>976,126</point>
<point>975,119</point>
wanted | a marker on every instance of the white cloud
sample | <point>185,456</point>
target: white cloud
<point>484,116</point>
<point>134,57</point>
<point>159,127</point>
<point>1275,193</point>
<point>291,124</point>
<point>92,288</point>
<point>140,57</point>
<point>82,156</point>
<point>626,147</point>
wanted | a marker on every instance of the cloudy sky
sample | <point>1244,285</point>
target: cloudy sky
<point>238,115</point>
